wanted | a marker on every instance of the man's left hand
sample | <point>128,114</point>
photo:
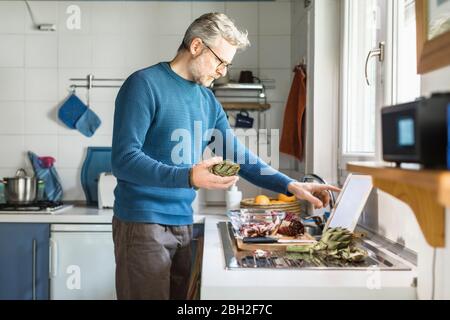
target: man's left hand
<point>313,192</point>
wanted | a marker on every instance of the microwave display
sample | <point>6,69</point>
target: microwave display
<point>405,132</point>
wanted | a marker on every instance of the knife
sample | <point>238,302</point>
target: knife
<point>259,240</point>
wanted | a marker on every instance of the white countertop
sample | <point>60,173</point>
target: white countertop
<point>72,214</point>
<point>272,284</point>
<point>265,284</point>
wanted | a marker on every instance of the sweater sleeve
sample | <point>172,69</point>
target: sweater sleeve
<point>134,111</point>
<point>253,168</point>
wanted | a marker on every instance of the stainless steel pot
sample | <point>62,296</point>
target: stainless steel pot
<point>20,189</point>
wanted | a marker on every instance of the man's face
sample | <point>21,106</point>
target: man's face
<point>211,62</point>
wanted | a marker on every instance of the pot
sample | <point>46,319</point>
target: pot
<point>20,189</point>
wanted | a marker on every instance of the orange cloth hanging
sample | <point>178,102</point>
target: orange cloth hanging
<point>292,138</point>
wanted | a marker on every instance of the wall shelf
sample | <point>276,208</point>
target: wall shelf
<point>427,192</point>
<point>248,106</point>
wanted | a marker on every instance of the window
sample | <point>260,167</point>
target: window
<point>368,26</point>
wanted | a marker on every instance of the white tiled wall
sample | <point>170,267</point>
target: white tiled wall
<point>115,39</point>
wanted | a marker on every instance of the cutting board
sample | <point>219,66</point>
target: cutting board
<point>274,246</point>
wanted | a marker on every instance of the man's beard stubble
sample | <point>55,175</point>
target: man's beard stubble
<point>194,69</point>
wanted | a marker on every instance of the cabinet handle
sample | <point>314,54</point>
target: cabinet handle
<point>34,269</point>
<point>53,258</point>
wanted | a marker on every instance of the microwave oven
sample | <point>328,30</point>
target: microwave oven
<point>418,132</point>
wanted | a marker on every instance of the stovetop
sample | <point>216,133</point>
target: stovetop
<point>44,207</point>
<point>246,260</point>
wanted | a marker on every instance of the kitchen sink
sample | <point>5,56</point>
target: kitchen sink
<point>244,260</point>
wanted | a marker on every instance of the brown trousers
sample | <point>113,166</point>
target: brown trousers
<point>153,261</point>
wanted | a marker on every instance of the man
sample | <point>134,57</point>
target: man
<point>152,224</point>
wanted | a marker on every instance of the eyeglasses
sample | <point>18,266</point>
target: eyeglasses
<point>222,63</point>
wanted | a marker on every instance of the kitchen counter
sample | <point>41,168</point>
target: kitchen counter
<point>74,214</point>
<point>219,283</point>
<point>271,284</point>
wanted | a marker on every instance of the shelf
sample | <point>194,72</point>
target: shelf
<point>238,86</point>
<point>427,192</point>
<point>248,106</point>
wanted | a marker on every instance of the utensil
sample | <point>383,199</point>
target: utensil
<point>20,189</point>
<point>259,240</point>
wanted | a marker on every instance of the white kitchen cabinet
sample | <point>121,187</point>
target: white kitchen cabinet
<point>82,264</point>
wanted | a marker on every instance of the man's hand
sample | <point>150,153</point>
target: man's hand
<point>202,178</point>
<point>313,192</point>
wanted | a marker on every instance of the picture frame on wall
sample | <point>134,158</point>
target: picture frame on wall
<point>433,35</point>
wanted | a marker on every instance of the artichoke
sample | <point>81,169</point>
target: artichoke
<point>225,169</point>
<point>336,243</point>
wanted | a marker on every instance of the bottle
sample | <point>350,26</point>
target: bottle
<point>233,198</point>
<point>2,193</point>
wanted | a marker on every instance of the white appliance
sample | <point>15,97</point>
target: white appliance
<point>82,264</point>
<point>106,185</point>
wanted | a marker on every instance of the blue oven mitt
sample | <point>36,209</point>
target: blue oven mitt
<point>71,111</point>
<point>88,123</point>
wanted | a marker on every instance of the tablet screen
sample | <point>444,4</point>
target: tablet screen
<point>350,202</point>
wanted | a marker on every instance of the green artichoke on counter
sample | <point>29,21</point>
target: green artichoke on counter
<point>336,243</point>
<point>225,169</point>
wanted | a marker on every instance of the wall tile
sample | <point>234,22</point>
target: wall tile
<point>42,145</point>
<point>12,17</point>
<point>107,94</point>
<point>64,76</point>
<point>41,117</point>
<point>41,84</point>
<point>71,183</point>
<point>13,155</point>
<point>12,81</point>
<point>108,51</point>
<point>66,18</point>
<point>45,12</point>
<point>283,80</point>
<point>274,18</point>
<point>107,19</point>
<point>12,117</point>
<point>168,46</point>
<point>105,111</point>
<point>199,8</point>
<point>115,40</point>
<point>179,15</point>
<point>248,58</point>
<point>141,18</point>
<point>140,54</point>
<point>72,149</point>
<point>244,15</point>
<point>41,51</point>
<point>275,51</point>
<point>75,51</point>
<point>12,50</point>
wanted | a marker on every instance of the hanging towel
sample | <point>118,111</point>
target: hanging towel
<point>88,123</point>
<point>292,136</point>
<point>71,110</point>
<point>44,170</point>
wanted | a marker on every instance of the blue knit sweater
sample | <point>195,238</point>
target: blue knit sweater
<point>161,128</point>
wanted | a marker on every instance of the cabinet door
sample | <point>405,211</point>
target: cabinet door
<point>24,254</point>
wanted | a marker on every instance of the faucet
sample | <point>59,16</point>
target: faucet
<point>314,177</point>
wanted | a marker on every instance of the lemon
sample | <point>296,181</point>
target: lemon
<point>262,200</point>
<point>285,198</point>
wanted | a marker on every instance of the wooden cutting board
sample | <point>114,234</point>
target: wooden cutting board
<point>274,246</point>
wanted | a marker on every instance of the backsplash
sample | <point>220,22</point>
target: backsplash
<point>115,39</point>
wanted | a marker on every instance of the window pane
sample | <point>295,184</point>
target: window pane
<point>408,81</point>
<point>359,110</point>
